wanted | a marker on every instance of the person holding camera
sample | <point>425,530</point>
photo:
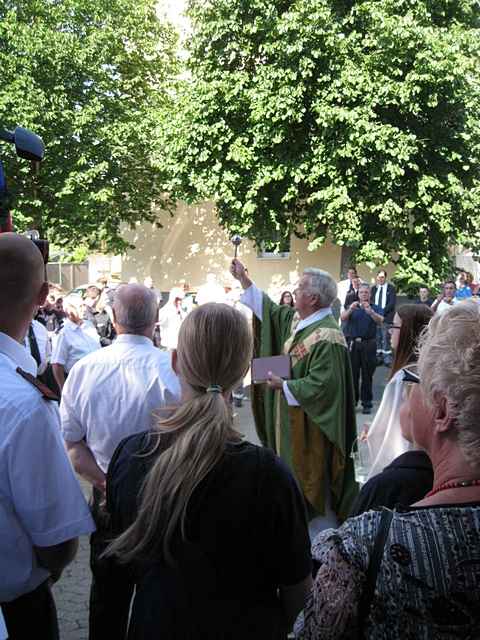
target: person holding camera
<point>362,320</point>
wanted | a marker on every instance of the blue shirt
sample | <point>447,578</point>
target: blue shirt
<point>361,325</point>
<point>463,292</point>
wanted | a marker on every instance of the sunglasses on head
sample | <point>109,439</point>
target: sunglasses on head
<point>410,376</point>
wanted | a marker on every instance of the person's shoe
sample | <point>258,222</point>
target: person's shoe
<point>366,410</point>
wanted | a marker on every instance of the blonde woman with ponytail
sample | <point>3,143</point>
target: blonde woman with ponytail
<point>212,527</point>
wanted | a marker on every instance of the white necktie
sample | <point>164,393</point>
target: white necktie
<point>380,297</point>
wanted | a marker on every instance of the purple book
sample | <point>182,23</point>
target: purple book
<point>278,365</point>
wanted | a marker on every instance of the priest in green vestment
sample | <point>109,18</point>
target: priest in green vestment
<point>308,420</point>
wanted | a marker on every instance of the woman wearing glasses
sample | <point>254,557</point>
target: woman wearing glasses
<point>414,572</point>
<point>384,436</point>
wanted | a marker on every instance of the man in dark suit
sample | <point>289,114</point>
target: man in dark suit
<point>352,294</point>
<point>384,296</point>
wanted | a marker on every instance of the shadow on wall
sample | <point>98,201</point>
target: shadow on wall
<point>192,244</point>
<point>188,247</point>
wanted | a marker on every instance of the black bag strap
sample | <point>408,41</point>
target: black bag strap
<point>34,350</point>
<point>373,567</point>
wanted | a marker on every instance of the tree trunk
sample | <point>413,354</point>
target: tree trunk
<point>346,261</point>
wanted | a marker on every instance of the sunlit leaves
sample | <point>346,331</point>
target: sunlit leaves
<point>91,77</point>
<point>358,121</point>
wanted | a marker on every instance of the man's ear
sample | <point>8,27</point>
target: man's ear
<point>175,361</point>
<point>443,417</point>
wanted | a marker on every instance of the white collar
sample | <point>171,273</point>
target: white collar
<point>313,317</point>
<point>17,353</point>
<point>132,338</point>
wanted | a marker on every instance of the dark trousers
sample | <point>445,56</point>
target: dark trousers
<point>112,584</point>
<point>384,349</point>
<point>363,359</point>
<point>32,615</point>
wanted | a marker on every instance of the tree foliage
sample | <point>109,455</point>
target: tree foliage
<point>357,121</point>
<point>90,77</point>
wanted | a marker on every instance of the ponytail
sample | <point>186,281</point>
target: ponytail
<point>201,428</point>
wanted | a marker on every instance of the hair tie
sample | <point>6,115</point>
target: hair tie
<point>214,388</point>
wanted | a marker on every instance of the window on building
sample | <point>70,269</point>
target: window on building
<point>275,249</point>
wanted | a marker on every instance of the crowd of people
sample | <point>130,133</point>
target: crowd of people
<point>371,320</point>
<point>196,533</point>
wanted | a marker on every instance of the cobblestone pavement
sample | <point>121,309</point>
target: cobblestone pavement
<point>71,591</point>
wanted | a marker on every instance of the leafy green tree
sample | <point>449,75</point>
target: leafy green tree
<point>357,121</point>
<point>91,78</point>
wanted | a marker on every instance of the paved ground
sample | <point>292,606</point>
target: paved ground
<point>71,592</point>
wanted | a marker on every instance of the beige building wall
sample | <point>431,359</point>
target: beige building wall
<point>192,244</point>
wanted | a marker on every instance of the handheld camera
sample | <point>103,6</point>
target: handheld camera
<point>28,146</point>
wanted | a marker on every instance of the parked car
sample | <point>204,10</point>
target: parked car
<point>78,291</point>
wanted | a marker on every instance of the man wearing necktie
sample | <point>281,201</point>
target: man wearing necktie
<point>384,296</point>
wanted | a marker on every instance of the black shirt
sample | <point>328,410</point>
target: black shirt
<point>406,480</point>
<point>52,320</point>
<point>102,323</point>
<point>428,302</point>
<point>246,535</point>
<point>352,296</point>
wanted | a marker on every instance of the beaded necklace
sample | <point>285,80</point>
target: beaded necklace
<point>453,485</point>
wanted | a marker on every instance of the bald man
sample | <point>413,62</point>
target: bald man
<point>42,509</point>
<point>111,394</point>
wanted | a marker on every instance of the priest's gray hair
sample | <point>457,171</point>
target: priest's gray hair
<point>449,367</point>
<point>322,285</point>
<point>135,307</point>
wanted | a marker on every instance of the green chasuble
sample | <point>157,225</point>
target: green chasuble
<point>314,439</point>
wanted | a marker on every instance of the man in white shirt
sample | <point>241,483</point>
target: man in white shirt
<point>42,508</point>
<point>76,339</point>
<point>148,282</point>
<point>384,296</point>
<point>170,318</point>
<point>447,299</point>
<point>344,287</point>
<point>109,395</point>
<point>211,291</point>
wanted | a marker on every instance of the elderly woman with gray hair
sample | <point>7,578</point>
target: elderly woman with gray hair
<point>415,572</point>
